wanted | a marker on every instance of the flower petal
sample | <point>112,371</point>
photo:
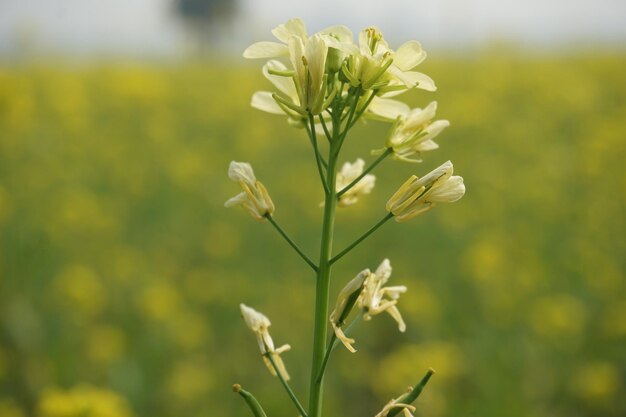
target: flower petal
<point>409,55</point>
<point>266,50</point>
<point>264,101</point>
<point>387,109</point>
<point>293,27</point>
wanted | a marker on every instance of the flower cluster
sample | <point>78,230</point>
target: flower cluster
<point>317,68</point>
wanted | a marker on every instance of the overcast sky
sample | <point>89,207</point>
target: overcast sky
<point>146,26</point>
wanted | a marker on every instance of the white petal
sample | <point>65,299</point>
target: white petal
<point>284,84</point>
<point>395,313</point>
<point>417,117</point>
<point>293,27</point>
<point>423,81</point>
<point>241,171</point>
<point>237,200</point>
<point>339,32</point>
<point>384,270</point>
<point>435,128</point>
<point>266,50</point>
<point>388,109</point>
<point>264,101</point>
<point>409,55</point>
<point>253,318</point>
<point>441,173</point>
<point>449,192</point>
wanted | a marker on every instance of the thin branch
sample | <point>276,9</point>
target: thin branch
<point>333,344</point>
<point>291,242</point>
<point>326,131</point>
<point>387,152</point>
<point>360,239</point>
<point>362,110</point>
<point>287,387</point>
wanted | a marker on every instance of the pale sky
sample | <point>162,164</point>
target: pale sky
<point>146,27</point>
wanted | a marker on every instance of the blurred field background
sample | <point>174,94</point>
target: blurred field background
<point>121,272</point>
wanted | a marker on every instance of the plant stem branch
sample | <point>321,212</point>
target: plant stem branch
<point>322,289</point>
<point>362,110</point>
<point>360,239</point>
<point>326,131</point>
<point>318,158</point>
<point>387,152</point>
<point>292,395</point>
<point>291,242</point>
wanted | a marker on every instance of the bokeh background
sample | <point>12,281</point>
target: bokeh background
<point>121,272</point>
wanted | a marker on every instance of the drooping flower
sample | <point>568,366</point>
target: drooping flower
<point>376,298</point>
<point>259,323</point>
<point>413,131</point>
<point>346,299</point>
<point>350,172</point>
<point>254,198</point>
<point>416,196</point>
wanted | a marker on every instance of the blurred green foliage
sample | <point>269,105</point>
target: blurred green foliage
<point>121,272</point>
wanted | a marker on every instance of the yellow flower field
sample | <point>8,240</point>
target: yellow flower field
<point>121,272</point>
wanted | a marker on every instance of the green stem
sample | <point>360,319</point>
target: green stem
<point>252,402</point>
<point>360,239</point>
<point>387,152</point>
<point>320,331</point>
<point>333,340</point>
<point>326,132</point>
<point>362,110</point>
<point>286,386</point>
<point>318,157</point>
<point>291,242</point>
<point>353,106</point>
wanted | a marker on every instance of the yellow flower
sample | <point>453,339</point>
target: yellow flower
<point>417,196</point>
<point>375,298</point>
<point>254,198</point>
<point>350,172</point>
<point>259,323</point>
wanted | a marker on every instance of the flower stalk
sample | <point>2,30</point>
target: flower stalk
<point>290,392</point>
<point>291,242</point>
<point>328,79</point>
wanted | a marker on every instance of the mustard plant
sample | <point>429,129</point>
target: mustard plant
<point>324,84</point>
